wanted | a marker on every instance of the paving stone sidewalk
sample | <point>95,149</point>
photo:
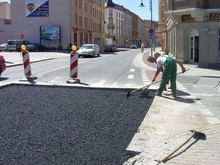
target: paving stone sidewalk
<point>168,124</point>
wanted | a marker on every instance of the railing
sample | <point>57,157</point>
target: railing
<point>184,4</point>
<point>111,26</point>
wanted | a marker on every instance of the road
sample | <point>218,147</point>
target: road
<point>110,70</point>
<point>43,125</point>
<point>87,126</point>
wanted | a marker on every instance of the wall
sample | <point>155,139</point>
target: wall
<point>59,14</point>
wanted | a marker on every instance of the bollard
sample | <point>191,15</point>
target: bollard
<point>26,63</point>
<point>73,66</point>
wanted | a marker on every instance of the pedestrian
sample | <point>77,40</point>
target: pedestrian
<point>166,64</point>
<point>142,48</point>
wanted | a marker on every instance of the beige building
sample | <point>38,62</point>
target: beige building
<point>193,29</point>
<point>57,23</point>
<point>5,21</point>
<point>5,11</point>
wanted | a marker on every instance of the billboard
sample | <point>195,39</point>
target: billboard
<point>37,8</point>
<point>50,32</point>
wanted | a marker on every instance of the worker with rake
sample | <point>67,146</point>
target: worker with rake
<point>167,65</point>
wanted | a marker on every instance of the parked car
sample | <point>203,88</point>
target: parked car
<point>89,50</point>
<point>3,47</point>
<point>15,45</point>
<point>36,47</point>
<point>2,64</point>
<point>110,48</point>
<point>133,46</point>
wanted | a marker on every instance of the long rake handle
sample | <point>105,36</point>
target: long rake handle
<point>167,157</point>
<point>147,86</point>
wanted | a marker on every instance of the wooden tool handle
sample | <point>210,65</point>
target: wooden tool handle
<point>167,157</point>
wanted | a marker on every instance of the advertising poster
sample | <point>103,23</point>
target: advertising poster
<point>50,32</point>
<point>37,8</point>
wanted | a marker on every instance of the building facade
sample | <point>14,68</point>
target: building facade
<point>123,27</point>
<point>57,24</point>
<point>70,21</point>
<point>5,21</point>
<point>193,28</point>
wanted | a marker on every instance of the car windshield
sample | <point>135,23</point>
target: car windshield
<point>11,42</point>
<point>87,47</point>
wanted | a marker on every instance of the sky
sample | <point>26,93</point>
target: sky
<point>142,12</point>
<point>133,6</point>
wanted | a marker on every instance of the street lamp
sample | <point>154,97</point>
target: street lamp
<point>151,25</point>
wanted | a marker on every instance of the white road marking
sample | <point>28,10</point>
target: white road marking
<point>52,70</point>
<point>54,80</point>
<point>206,112</point>
<point>145,78</point>
<point>100,83</point>
<point>127,85</point>
<point>132,70</point>
<point>131,76</point>
<point>212,120</point>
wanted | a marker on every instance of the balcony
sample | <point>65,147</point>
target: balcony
<point>111,26</point>
<point>186,4</point>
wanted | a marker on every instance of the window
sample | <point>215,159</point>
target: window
<point>219,46</point>
<point>80,21</point>
<point>110,13</point>
<point>85,7</point>
<point>85,22</point>
<point>76,19</point>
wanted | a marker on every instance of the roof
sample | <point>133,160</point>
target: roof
<point>2,3</point>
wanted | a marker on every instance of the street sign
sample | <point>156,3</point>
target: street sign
<point>151,31</point>
<point>151,36</point>
<point>22,36</point>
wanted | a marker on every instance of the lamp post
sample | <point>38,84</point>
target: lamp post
<point>151,24</point>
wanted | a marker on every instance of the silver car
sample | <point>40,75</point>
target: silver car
<point>3,47</point>
<point>89,50</point>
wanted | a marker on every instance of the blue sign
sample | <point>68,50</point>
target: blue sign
<point>151,36</point>
<point>37,8</point>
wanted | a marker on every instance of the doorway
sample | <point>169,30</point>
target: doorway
<point>194,46</point>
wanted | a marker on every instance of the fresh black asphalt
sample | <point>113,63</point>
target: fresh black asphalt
<point>67,126</point>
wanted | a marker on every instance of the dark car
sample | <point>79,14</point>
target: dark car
<point>36,47</point>
<point>2,64</point>
<point>111,48</point>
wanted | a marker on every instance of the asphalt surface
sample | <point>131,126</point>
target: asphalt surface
<point>73,126</point>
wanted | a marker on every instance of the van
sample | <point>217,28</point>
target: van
<point>15,45</point>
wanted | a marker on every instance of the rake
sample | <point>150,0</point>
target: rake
<point>147,86</point>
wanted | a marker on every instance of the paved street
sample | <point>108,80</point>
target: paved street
<point>168,121</point>
<point>60,125</point>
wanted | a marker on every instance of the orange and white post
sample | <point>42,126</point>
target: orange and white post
<point>73,66</point>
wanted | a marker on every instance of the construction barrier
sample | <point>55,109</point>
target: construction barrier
<point>26,63</point>
<point>73,66</point>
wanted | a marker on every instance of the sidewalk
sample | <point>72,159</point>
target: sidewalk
<point>15,58</point>
<point>167,125</point>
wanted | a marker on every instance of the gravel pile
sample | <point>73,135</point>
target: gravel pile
<point>68,126</point>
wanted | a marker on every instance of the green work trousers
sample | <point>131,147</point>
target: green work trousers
<point>169,72</point>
